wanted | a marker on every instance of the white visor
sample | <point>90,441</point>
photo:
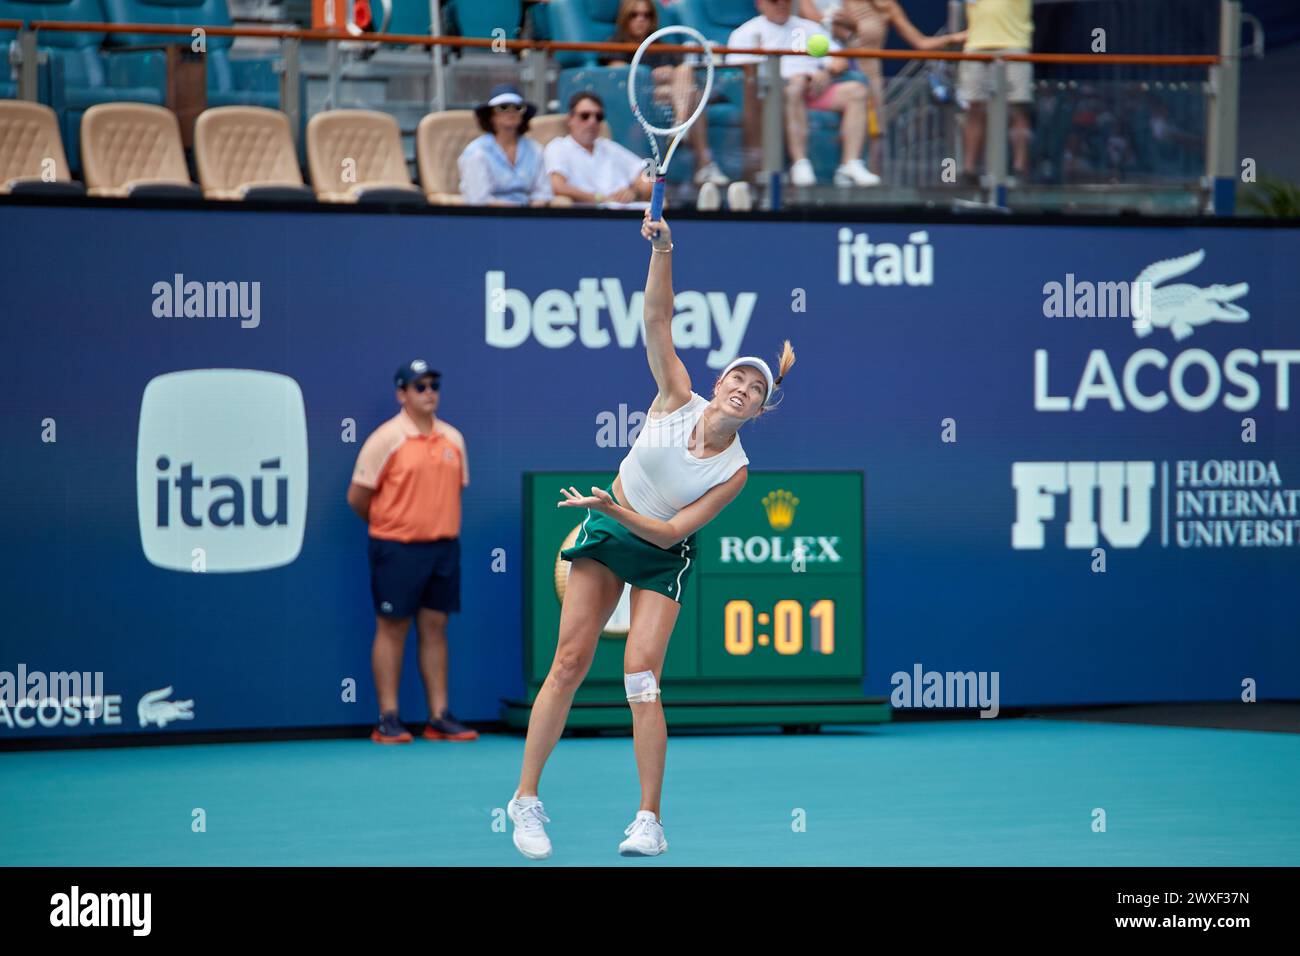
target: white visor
<point>505,98</point>
<point>759,364</point>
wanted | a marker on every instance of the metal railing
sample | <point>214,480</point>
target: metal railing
<point>912,134</point>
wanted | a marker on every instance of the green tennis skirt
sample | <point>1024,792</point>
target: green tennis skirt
<point>634,559</point>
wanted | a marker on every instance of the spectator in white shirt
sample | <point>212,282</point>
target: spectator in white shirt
<point>591,168</point>
<point>810,83</point>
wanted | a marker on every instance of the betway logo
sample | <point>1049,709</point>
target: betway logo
<point>557,318</point>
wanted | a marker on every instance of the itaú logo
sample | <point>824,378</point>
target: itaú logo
<point>1109,499</point>
<point>221,470</point>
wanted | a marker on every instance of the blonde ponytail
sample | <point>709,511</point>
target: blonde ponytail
<point>784,362</point>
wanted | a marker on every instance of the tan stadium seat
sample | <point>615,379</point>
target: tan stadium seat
<point>439,140</point>
<point>357,154</point>
<point>548,127</point>
<point>31,150</point>
<point>247,152</point>
<point>133,149</point>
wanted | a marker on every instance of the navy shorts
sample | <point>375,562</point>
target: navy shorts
<point>407,577</point>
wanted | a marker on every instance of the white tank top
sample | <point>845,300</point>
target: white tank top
<point>660,476</point>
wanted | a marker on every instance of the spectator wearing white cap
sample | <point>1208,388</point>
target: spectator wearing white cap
<point>591,168</point>
<point>503,167</point>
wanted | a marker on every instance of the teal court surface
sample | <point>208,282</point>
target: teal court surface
<point>1001,792</point>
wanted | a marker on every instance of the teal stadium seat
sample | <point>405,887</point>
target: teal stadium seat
<point>478,18</point>
<point>715,18</point>
<point>231,82</point>
<point>78,74</point>
<point>588,21</point>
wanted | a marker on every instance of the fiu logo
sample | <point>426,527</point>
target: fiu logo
<point>1123,489</point>
<point>780,506</point>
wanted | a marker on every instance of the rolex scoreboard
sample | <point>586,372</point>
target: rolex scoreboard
<point>771,630</point>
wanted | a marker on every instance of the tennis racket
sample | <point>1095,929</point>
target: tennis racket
<point>669,104</point>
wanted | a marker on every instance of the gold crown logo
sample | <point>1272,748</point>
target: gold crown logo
<point>780,505</point>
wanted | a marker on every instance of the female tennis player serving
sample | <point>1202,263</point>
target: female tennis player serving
<point>685,466</point>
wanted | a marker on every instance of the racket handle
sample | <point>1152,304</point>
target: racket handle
<point>657,201</point>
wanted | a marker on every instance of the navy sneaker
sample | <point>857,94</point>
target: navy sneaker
<point>390,731</point>
<point>447,727</point>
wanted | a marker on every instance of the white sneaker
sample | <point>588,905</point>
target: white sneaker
<point>855,173</point>
<point>711,172</point>
<point>709,199</point>
<point>645,836</point>
<point>739,198</point>
<point>529,836</point>
<point>801,174</point>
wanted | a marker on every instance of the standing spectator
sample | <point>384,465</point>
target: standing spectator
<point>637,19</point>
<point>502,167</point>
<point>588,167</point>
<point>810,84</point>
<point>407,486</point>
<point>996,26</point>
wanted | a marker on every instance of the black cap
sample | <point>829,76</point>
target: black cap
<point>413,371</point>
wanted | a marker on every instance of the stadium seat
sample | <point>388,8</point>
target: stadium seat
<point>134,149</point>
<point>247,152</point>
<point>478,18</point>
<point>356,156</point>
<point>439,140</point>
<point>588,21</point>
<point>714,18</point>
<point>78,74</point>
<point>31,151</point>
<point>250,82</point>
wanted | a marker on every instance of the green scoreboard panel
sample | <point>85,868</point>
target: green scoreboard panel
<point>771,629</point>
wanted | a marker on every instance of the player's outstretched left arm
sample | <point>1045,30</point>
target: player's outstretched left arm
<point>662,534</point>
<point>669,372</point>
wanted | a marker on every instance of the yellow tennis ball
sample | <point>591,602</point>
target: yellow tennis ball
<point>818,45</point>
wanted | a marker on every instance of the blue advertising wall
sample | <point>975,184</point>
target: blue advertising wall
<point>907,334</point>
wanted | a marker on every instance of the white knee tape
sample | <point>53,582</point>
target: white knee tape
<point>641,687</point>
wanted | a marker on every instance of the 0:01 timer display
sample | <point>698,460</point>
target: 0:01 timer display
<point>787,633</point>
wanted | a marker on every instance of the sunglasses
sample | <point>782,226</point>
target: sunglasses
<point>588,114</point>
<point>508,107</point>
<point>422,387</point>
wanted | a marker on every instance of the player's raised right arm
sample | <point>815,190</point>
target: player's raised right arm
<point>669,372</point>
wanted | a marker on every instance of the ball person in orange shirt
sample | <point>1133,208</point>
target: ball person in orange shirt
<point>407,486</point>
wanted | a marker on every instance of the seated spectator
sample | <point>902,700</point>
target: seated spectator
<point>503,167</point>
<point>864,25</point>
<point>810,83</point>
<point>588,167</point>
<point>637,19</point>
